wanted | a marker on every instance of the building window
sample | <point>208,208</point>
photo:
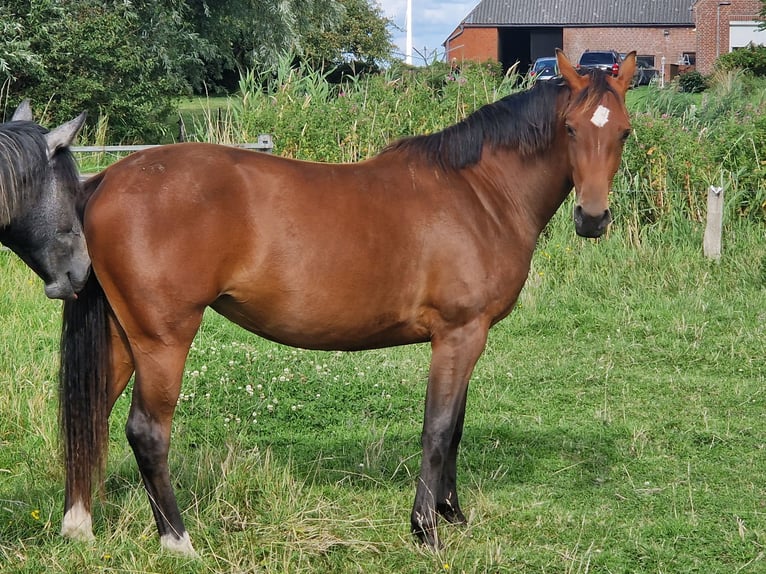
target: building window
<point>645,61</point>
<point>689,59</point>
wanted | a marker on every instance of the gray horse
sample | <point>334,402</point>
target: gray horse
<point>39,182</point>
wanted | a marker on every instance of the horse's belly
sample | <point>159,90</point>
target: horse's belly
<point>340,328</point>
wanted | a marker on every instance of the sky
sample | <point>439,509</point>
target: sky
<point>432,22</point>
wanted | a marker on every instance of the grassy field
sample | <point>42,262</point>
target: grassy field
<point>616,423</point>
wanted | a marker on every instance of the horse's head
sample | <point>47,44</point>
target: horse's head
<point>44,227</point>
<point>597,125</point>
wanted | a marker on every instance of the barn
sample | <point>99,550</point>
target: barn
<point>663,32</point>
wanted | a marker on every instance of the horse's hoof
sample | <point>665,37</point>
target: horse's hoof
<point>77,524</point>
<point>451,514</point>
<point>427,536</point>
<point>179,546</point>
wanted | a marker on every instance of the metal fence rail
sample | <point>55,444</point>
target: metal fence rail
<point>264,144</point>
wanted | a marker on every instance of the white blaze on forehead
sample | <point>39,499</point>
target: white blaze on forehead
<point>600,116</point>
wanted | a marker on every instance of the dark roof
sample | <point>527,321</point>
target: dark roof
<point>581,13</point>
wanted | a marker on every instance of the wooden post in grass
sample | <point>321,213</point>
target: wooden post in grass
<point>711,243</point>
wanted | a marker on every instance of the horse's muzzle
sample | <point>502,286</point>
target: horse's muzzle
<point>591,226</point>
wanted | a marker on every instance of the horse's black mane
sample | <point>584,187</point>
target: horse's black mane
<point>524,121</point>
<point>24,166</point>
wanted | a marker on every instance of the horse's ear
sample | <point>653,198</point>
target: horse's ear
<point>625,78</point>
<point>23,113</point>
<point>571,76</point>
<point>63,135</point>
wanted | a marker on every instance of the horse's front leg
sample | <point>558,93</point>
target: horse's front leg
<point>454,355</point>
<point>447,504</point>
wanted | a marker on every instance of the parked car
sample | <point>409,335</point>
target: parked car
<point>544,69</point>
<point>607,60</point>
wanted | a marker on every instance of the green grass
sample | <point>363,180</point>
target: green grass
<point>200,114</point>
<point>615,424</point>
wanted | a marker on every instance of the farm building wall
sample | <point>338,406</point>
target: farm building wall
<point>702,42</point>
<point>713,24</point>
<point>474,44</point>
<point>671,43</point>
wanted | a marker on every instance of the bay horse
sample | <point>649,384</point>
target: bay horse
<point>429,241</point>
<point>39,185</point>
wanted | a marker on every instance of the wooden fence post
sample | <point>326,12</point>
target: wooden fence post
<point>711,243</point>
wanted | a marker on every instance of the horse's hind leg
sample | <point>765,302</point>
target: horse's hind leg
<point>77,523</point>
<point>159,370</point>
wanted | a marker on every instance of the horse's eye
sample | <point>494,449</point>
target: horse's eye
<point>570,130</point>
<point>625,135</point>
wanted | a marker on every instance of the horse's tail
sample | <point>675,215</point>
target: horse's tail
<point>83,372</point>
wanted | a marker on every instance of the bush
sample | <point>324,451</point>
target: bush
<point>752,58</point>
<point>692,82</point>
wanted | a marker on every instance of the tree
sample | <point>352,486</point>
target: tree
<point>15,50</point>
<point>363,36</point>
<point>255,33</point>
<point>124,60</point>
<point>127,60</point>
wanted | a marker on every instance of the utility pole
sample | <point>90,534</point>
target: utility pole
<point>718,28</point>
<point>408,27</point>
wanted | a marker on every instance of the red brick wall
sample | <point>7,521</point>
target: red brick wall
<point>645,41</point>
<point>477,44</point>
<point>707,14</point>
<point>481,44</point>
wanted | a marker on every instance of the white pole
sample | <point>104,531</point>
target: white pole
<point>408,27</point>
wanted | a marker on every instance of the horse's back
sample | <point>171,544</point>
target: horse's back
<point>309,254</point>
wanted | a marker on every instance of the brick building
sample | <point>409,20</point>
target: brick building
<point>665,33</point>
<point>722,26</point>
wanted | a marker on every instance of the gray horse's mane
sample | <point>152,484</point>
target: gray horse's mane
<point>23,166</point>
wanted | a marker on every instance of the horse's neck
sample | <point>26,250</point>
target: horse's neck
<point>523,191</point>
